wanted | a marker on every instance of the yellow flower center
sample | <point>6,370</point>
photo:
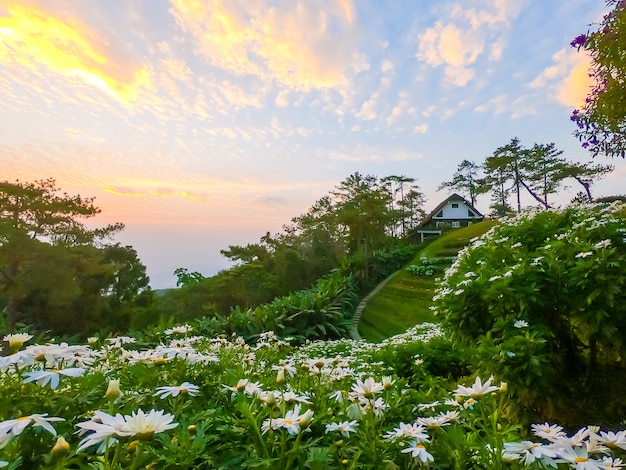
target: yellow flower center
<point>22,418</point>
<point>289,421</point>
<point>581,459</point>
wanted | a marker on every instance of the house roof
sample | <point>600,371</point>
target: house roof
<point>441,205</point>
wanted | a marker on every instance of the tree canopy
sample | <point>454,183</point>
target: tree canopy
<point>512,169</point>
<point>601,122</point>
<point>55,272</point>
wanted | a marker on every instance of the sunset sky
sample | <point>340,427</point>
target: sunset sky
<point>201,124</point>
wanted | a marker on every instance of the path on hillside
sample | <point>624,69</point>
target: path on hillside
<point>354,328</point>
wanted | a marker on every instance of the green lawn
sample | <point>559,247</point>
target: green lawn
<point>406,298</point>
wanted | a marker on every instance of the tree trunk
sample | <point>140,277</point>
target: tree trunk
<point>537,198</point>
<point>586,186</point>
<point>11,314</point>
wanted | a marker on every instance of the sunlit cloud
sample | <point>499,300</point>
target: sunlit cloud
<point>77,133</point>
<point>459,43</point>
<point>34,39</point>
<point>303,46</point>
<point>567,79</point>
<point>220,197</point>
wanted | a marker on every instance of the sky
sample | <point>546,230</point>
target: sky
<point>201,124</point>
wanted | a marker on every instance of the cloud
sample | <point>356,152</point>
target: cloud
<point>363,153</point>
<point>459,43</point>
<point>518,107</point>
<point>303,46</point>
<point>177,69</point>
<point>421,129</point>
<point>165,193</point>
<point>567,80</point>
<point>453,47</point>
<point>282,99</point>
<point>368,108</point>
<point>501,11</point>
<point>33,38</point>
<point>387,66</point>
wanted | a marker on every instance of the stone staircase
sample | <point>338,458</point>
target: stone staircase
<point>356,319</point>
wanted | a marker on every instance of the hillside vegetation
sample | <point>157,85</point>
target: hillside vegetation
<point>406,299</point>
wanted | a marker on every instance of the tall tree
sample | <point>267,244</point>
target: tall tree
<point>39,224</point>
<point>585,174</point>
<point>502,175</point>
<point>397,188</point>
<point>464,180</point>
<point>412,207</point>
<point>542,166</point>
<point>601,122</point>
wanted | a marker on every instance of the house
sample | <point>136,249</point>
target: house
<point>453,212</point>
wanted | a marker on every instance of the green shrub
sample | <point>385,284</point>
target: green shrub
<point>541,298</point>
<point>429,266</point>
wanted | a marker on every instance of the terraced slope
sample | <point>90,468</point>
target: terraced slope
<point>405,299</point>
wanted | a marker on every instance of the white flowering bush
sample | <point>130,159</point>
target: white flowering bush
<point>541,298</point>
<point>193,402</point>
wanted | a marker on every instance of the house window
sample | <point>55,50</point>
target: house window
<point>470,213</point>
<point>456,224</point>
<point>455,205</point>
<point>439,214</point>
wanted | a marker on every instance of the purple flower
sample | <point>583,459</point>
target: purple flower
<point>579,41</point>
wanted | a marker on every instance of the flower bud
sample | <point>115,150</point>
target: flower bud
<point>504,387</point>
<point>191,428</point>
<point>305,419</point>
<point>132,446</point>
<point>271,399</point>
<point>280,378</point>
<point>61,448</point>
<point>113,390</point>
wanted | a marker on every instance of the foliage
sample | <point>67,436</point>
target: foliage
<point>539,171</point>
<point>184,277</point>
<point>322,311</point>
<point>214,403</point>
<point>541,297</point>
<point>428,266</point>
<point>406,300</point>
<point>465,180</point>
<point>356,228</point>
<point>601,122</point>
<point>57,274</point>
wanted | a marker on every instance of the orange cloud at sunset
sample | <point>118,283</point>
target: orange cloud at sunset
<point>294,44</point>
<point>34,38</point>
<point>576,86</point>
<point>569,75</point>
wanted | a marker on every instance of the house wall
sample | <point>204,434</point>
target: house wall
<point>457,213</point>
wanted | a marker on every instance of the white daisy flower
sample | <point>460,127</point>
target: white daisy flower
<point>185,388</point>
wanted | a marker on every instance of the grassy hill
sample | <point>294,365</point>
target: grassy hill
<point>405,300</point>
